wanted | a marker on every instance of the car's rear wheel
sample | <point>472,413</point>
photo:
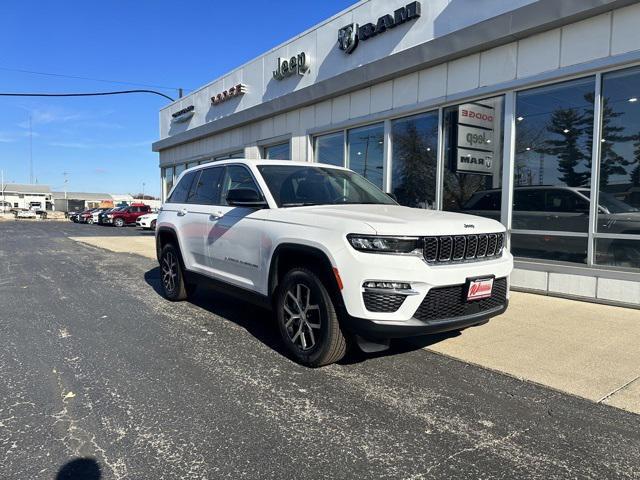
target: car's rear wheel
<point>172,274</point>
<point>308,320</point>
<point>119,222</point>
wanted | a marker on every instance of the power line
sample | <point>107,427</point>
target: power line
<point>88,94</point>
<point>32,72</point>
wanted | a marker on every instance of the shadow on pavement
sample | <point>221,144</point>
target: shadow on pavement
<point>80,469</point>
<point>261,323</point>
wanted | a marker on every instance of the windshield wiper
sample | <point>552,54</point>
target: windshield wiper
<point>301,204</point>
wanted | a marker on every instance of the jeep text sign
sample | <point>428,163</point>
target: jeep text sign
<point>476,138</point>
<point>287,67</point>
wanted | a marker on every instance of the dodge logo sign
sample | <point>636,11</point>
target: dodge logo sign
<point>348,38</point>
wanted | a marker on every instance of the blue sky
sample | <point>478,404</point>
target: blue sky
<point>104,143</point>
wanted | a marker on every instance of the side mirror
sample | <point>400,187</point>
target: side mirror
<point>245,197</point>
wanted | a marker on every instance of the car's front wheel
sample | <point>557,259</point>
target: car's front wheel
<point>153,225</point>
<point>119,222</point>
<point>308,320</point>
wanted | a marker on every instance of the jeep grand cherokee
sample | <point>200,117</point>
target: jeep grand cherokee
<point>333,255</point>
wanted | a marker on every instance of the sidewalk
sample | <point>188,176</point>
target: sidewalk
<point>585,349</point>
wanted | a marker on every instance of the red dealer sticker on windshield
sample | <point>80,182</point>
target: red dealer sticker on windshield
<point>480,288</point>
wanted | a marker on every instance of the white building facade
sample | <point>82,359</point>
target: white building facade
<point>521,110</point>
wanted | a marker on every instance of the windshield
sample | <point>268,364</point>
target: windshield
<point>298,186</point>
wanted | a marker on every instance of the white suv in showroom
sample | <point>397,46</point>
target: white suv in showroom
<point>334,256</point>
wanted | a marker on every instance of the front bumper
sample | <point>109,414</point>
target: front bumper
<point>406,319</point>
<point>415,327</point>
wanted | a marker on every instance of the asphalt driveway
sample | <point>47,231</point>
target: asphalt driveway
<point>94,364</point>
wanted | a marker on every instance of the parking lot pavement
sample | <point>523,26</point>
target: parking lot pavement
<point>94,363</point>
<point>580,348</point>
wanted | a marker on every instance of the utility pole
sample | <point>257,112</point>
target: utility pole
<point>2,187</point>
<point>143,190</point>
<point>30,151</point>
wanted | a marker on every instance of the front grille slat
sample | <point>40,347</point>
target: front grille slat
<point>449,302</point>
<point>461,248</point>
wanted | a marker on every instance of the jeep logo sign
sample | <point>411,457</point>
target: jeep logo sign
<point>298,64</point>
<point>350,35</point>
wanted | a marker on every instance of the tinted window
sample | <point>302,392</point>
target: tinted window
<point>366,153</point>
<point>237,177</point>
<point>181,191</point>
<point>415,145</point>
<point>554,137</point>
<point>473,152</point>
<point>619,164</point>
<point>277,152</point>
<point>330,149</point>
<point>206,188</point>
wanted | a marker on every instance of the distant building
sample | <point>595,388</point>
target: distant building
<point>68,201</point>
<point>16,195</point>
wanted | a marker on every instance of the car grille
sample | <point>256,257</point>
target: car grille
<point>462,248</point>
<point>450,302</point>
<point>382,302</point>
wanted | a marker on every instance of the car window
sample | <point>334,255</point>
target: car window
<point>179,194</point>
<point>565,201</point>
<point>206,188</point>
<point>528,200</point>
<point>236,176</point>
<point>484,201</point>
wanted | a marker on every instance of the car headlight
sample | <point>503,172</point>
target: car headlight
<point>382,244</point>
<point>109,216</point>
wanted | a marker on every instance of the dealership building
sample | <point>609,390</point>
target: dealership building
<point>524,111</point>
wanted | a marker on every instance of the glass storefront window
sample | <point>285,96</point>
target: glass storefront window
<point>168,180</point>
<point>473,158</point>
<point>617,253</point>
<point>230,156</point>
<point>281,151</point>
<point>178,170</point>
<point>552,170</point>
<point>557,248</point>
<point>619,192</point>
<point>414,158</point>
<point>365,152</point>
<point>329,149</point>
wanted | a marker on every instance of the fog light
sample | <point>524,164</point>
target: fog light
<point>388,285</point>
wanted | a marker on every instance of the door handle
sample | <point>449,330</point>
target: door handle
<point>182,213</point>
<point>216,216</point>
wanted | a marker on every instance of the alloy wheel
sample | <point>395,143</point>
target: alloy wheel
<point>169,271</point>
<point>301,317</point>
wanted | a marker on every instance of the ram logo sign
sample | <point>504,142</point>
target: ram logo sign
<point>349,36</point>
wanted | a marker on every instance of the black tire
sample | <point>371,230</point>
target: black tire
<point>153,224</point>
<point>119,222</point>
<point>328,341</point>
<point>172,274</point>
<point>90,221</point>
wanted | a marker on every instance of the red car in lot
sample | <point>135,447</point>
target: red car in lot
<point>128,215</point>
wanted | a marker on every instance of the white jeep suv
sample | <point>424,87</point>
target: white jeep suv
<point>333,255</point>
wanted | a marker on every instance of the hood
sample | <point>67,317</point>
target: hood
<point>398,220</point>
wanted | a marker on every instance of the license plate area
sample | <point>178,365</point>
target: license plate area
<point>479,288</point>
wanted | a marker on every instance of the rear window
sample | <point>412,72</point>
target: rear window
<point>179,194</point>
